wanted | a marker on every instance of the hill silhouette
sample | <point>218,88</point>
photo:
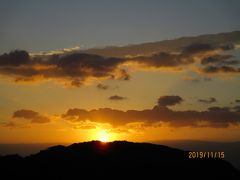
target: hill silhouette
<point>115,160</point>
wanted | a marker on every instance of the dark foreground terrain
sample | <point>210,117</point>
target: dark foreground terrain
<point>119,159</point>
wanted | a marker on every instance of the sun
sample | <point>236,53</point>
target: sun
<point>103,136</point>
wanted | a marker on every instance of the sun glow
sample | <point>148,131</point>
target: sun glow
<point>103,136</point>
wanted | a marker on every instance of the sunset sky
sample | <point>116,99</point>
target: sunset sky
<point>74,71</point>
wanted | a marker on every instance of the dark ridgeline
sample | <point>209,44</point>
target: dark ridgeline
<point>119,159</point>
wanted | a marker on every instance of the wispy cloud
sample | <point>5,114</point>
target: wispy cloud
<point>55,52</point>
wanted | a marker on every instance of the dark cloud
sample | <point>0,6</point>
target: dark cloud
<point>219,109</point>
<point>217,59</point>
<point>102,86</point>
<point>162,60</point>
<point>26,114</point>
<point>227,46</point>
<point>208,101</point>
<point>223,69</point>
<point>232,62</point>
<point>80,113</point>
<point>216,117</point>
<point>116,98</point>
<point>14,58</point>
<point>78,64</point>
<point>211,60</point>
<point>220,63</point>
<point>169,100</point>
<point>81,67</point>
<point>185,56</point>
<point>35,117</point>
<point>76,69</point>
<point>214,62</point>
<point>195,48</point>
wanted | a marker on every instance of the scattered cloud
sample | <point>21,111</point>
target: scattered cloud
<point>169,100</point>
<point>220,63</point>
<point>102,86</point>
<point>33,116</point>
<point>26,114</point>
<point>208,101</point>
<point>219,59</point>
<point>116,98</point>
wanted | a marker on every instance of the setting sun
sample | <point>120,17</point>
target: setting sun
<point>103,136</point>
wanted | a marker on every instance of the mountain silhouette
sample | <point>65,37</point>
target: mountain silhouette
<point>114,160</point>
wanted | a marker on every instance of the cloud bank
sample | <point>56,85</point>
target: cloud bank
<point>78,68</point>
<point>215,117</point>
<point>160,114</point>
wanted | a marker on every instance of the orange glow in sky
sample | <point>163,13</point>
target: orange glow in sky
<point>103,136</point>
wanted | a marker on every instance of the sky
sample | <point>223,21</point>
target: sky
<point>49,25</point>
<point>55,88</point>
